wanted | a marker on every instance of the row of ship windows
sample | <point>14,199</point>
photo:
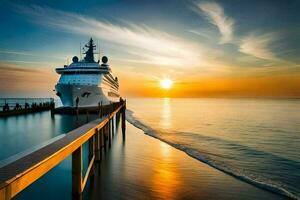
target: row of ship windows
<point>112,94</point>
<point>90,81</point>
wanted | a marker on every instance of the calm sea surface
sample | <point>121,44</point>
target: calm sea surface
<point>23,134</point>
<point>257,141</point>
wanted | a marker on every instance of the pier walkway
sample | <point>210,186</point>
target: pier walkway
<point>19,174</point>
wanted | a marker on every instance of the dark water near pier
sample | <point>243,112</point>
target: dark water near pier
<point>23,134</point>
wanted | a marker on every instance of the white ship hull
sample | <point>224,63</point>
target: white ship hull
<point>96,94</point>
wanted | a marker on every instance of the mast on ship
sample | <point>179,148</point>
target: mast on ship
<point>89,54</point>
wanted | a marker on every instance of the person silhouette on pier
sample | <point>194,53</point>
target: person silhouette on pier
<point>77,102</point>
<point>18,106</point>
<point>6,107</point>
<point>26,105</point>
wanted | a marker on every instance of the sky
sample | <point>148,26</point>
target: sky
<point>220,48</point>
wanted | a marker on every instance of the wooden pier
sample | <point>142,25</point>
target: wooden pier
<point>19,106</point>
<point>19,174</point>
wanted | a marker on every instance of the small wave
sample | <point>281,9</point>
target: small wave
<point>197,155</point>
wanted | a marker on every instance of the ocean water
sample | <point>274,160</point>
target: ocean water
<point>20,135</point>
<point>255,140</point>
<point>23,134</point>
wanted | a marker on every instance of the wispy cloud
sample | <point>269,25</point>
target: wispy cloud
<point>29,53</point>
<point>258,46</point>
<point>4,67</point>
<point>24,62</point>
<point>215,14</point>
<point>15,52</point>
<point>203,33</point>
<point>146,40</point>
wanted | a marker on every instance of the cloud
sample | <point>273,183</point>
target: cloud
<point>7,68</point>
<point>203,33</point>
<point>25,81</point>
<point>25,62</point>
<point>15,52</point>
<point>141,38</point>
<point>215,14</point>
<point>258,46</point>
<point>29,54</point>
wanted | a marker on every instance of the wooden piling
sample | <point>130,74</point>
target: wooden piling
<point>109,133</point>
<point>77,172</point>
<point>101,142</point>
<point>101,109</point>
<point>52,108</point>
<point>112,126</point>
<point>91,148</point>
<point>97,145</point>
<point>117,119</point>
<point>104,137</point>
<point>123,122</point>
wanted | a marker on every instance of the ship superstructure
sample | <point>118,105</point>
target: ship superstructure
<point>86,83</point>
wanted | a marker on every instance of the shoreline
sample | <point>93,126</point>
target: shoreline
<point>146,166</point>
<point>189,152</point>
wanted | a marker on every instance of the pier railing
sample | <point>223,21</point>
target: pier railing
<point>16,106</point>
<point>19,174</point>
<point>11,102</point>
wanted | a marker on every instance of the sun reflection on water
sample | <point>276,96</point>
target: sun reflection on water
<point>165,122</point>
<point>165,179</point>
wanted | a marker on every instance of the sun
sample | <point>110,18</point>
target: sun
<point>166,84</point>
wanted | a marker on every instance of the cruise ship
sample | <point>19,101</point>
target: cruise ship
<point>86,82</point>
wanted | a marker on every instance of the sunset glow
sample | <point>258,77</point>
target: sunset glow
<point>211,52</point>
<point>166,84</point>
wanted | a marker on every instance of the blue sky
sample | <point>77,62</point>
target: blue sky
<point>197,40</point>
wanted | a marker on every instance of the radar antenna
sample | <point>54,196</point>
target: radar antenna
<point>98,50</point>
<point>80,52</point>
<point>89,54</point>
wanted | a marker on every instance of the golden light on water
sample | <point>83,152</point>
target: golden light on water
<point>166,84</point>
<point>166,179</point>
<point>166,114</point>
